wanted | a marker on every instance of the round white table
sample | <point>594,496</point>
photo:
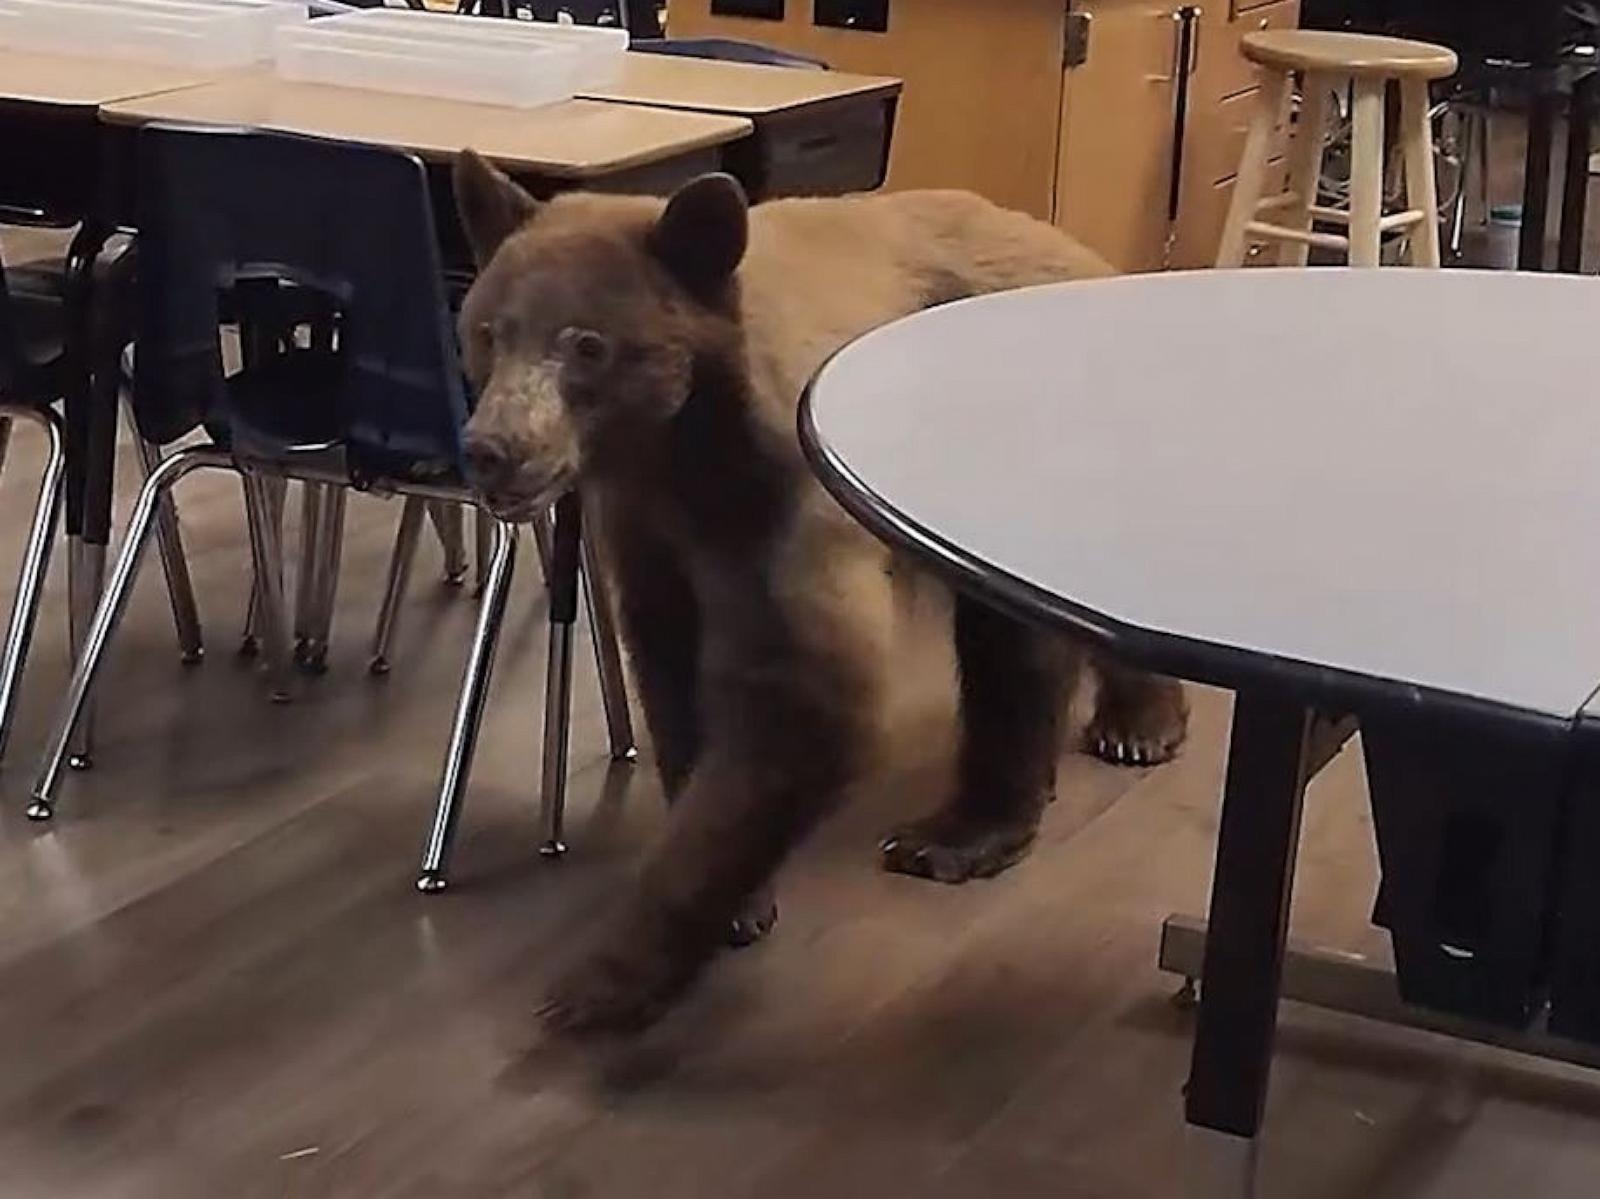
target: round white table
<point>1369,493</point>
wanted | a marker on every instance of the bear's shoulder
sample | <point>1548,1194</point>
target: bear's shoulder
<point>821,272</point>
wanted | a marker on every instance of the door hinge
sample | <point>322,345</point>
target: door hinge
<point>1075,42</point>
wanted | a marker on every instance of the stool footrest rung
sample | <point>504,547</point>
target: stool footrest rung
<point>1308,237</point>
<point>1277,202</point>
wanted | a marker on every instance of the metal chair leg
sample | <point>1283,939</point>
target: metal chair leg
<point>264,513</point>
<point>607,654</point>
<point>312,498</point>
<point>35,561</point>
<point>448,523</point>
<point>250,641</point>
<point>174,563</point>
<point>483,532</point>
<point>106,617</point>
<point>330,541</point>
<point>469,711</point>
<point>405,552</point>
<point>564,586</point>
<point>543,526</point>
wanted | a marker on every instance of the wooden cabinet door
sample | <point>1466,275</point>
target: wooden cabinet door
<point>1222,106</point>
<point>982,85</point>
<point>1118,125</point>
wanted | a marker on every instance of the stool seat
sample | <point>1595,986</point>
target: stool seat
<point>1349,54</point>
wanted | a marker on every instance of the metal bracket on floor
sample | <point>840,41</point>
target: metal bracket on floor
<point>1357,985</point>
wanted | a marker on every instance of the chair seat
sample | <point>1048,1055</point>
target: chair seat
<point>1352,54</point>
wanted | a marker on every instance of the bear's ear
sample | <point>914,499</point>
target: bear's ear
<point>701,237</point>
<point>492,207</point>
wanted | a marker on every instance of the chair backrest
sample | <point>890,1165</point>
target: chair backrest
<point>220,211</point>
<point>728,50</point>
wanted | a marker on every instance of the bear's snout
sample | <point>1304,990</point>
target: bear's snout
<point>488,461</point>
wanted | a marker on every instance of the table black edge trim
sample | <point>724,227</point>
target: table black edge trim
<point>1230,668</point>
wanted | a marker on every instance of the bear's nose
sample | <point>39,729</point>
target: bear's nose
<point>488,461</point>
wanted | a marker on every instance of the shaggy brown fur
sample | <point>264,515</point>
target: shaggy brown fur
<point>656,352</point>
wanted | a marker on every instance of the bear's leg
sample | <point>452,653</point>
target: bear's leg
<point>1140,719</point>
<point>1013,680</point>
<point>661,625</point>
<point>661,622</point>
<point>781,745</point>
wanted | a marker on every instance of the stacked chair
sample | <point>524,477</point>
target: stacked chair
<point>33,377</point>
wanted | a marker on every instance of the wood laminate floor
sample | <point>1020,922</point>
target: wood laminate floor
<point>216,981</point>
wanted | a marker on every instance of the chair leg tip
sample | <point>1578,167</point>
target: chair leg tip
<point>455,578</point>
<point>378,667</point>
<point>553,848</point>
<point>193,657</point>
<point>628,754</point>
<point>431,882</point>
<point>41,810</point>
<point>81,762</point>
<point>249,647</point>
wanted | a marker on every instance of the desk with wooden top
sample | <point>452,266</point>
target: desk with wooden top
<point>579,141</point>
<point>50,173</point>
<point>48,109</point>
<point>815,132</point>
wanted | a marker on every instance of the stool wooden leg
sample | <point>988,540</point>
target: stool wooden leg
<point>1305,166</point>
<point>1252,171</point>
<point>1366,173</point>
<point>1422,189</point>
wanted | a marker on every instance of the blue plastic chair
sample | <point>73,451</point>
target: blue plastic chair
<point>370,397</point>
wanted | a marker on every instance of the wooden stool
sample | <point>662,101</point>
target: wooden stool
<point>1328,63</point>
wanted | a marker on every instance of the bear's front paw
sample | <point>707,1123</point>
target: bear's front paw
<point>614,991</point>
<point>949,847</point>
<point>755,921</point>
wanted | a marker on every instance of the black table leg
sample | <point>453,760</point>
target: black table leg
<point>1536,187</point>
<point>82,256</point>
<point>1575,188</point>
<point>90,447</point>
<point>1269,761</point>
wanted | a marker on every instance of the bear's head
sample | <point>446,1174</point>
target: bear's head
<point>584,329</point>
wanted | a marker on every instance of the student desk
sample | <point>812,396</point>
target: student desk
<point>816,132</point>
<point>48,106</point>
<point>49,174</point>
<point>1339,523</point>
<point>577,142</point>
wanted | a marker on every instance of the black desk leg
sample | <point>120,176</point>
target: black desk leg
<point>1575,188</point>
<point>1536,186</point>
<point>1269,761</point>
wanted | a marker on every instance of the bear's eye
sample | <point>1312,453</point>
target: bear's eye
<point>584,348</point>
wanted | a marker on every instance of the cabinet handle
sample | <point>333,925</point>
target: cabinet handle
<point>1188,18</point>
<point>1175,72</point>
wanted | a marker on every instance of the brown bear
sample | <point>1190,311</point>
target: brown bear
<point>655,352</point>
